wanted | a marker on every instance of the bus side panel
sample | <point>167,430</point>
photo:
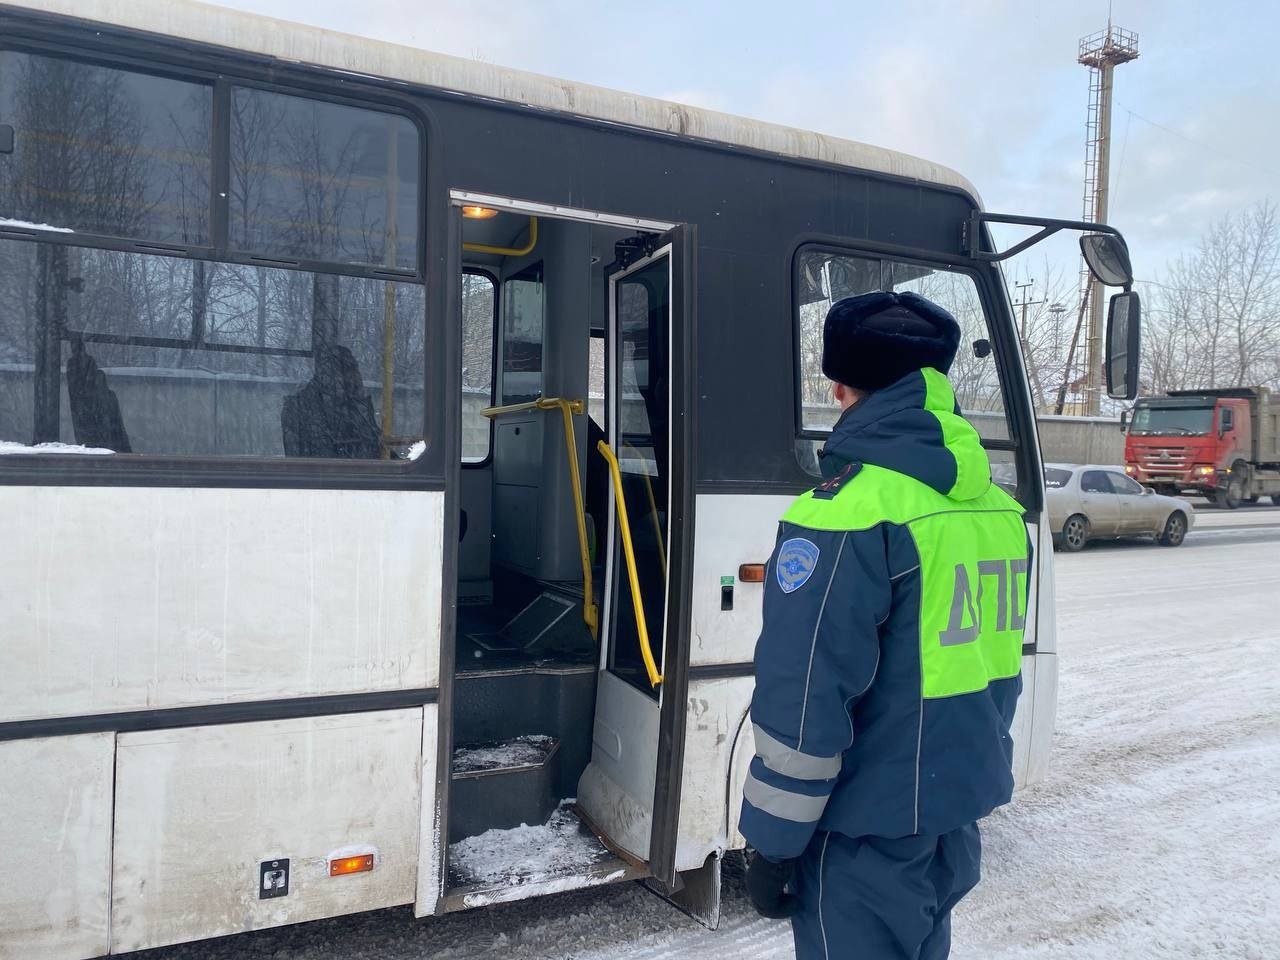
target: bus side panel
<point>126,599</point>
<point>1038,705</point>
<point>731,530</point>
<point>1024,721</point>
<point>430,847</point>
<point>1040,742</point>
<point>207,817</point>
<point>717,729</point>
<point>55,839</point>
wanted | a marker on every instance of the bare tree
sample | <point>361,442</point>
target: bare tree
<point>1214,319</point>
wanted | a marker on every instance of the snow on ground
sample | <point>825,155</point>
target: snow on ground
<point>1156,834</point>
<point>28,225</point>
<point>12,447</point>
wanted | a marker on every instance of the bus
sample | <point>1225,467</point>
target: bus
<point>391,448</point>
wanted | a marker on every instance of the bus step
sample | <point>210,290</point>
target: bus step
<point>504,784</point>
<point>505,865</point>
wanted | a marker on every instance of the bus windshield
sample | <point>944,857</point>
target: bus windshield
<point>1183,421</point>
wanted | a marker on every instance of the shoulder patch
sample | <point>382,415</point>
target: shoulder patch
<point>828,489</point>
<point>797,559</point>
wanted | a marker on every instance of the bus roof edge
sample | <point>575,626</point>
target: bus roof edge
<point>299,43</point>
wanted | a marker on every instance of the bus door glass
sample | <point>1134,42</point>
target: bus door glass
<point>617,792</point>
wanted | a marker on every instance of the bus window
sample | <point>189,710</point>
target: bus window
<point>823,276</point>
<point>322,181</point>
<point>105,152</point>
<point>478,320</point>
<point>522,323</point>
<point>163,355</point>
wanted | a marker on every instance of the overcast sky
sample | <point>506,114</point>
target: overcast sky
<point>989,87</point>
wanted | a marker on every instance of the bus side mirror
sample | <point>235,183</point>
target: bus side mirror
<point>1123,345</point>
<point>1108,258</point>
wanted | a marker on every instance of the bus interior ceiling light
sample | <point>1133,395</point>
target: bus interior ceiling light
<point>479,213</point>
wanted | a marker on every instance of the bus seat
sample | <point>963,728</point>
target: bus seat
<point>332,414</point>
<point>95,409</point>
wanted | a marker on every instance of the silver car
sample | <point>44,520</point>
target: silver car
<point>1091,502</point>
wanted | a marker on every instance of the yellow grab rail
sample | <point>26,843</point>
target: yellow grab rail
<point>629,552</point>
<point>567,408</point>
<point>508,251</point>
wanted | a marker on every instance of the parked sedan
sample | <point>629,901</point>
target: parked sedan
<point>1090,502</point>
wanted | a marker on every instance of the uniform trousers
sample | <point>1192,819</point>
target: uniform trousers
<point>876,898</point>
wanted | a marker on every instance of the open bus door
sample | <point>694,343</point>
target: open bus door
<point>630,791</point>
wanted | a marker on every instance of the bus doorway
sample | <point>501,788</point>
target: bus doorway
<point>567,727</point>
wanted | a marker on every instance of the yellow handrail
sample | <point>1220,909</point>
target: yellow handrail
<point>628,551</point>
<point>508,251</point>
<point>567,408</point>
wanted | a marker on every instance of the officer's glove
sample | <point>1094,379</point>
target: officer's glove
<point>766,884</point>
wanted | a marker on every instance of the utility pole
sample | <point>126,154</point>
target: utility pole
<point>1026,301</point>
<point>1101,52</point>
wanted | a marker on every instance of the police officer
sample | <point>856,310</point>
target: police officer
<point>888,667</point>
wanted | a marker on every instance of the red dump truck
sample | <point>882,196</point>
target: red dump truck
<point>1221,444</point>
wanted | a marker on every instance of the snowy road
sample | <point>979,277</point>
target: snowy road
<point>1156,834</point>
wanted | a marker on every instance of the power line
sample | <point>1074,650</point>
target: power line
<point>1215,148</point>
<point>1208,293</point>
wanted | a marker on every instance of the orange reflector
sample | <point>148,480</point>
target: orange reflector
<point>751,573</point>
<point>344,865</point>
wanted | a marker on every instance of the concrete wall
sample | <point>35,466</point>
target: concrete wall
<point>1081,440</point>
<point>1062,439</point>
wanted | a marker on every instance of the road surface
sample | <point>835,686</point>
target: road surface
<point>1156,833</point>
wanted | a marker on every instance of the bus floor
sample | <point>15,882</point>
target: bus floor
<point>544,633</point>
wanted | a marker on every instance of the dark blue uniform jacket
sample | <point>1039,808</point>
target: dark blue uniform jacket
<point>888,666</point>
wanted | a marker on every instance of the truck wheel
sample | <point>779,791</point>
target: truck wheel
<point>1229,496</point>
<point>1075,533</point>
<point>1175,530</point>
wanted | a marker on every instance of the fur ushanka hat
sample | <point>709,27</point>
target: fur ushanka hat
<point>875,339</point>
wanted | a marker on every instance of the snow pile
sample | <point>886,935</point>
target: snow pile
<point>524,751</point>
<point>559,848</point>
<point>10,447</point>
<point>28,225</point>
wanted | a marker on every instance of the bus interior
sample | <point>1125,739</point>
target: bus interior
<point>539,609</point>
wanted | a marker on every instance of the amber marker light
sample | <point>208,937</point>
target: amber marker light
<point>345,865</point>
<point>751,573</point>
<point>479,213</point>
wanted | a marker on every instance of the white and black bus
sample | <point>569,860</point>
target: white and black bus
<point>390,445</point>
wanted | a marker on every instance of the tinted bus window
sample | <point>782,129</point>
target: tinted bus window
<point>163,355</point>
<point>522,320</point>
<point>103,151</point>
<point>322,181</point>
<point>478,318</point>
<point>822,277</point>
